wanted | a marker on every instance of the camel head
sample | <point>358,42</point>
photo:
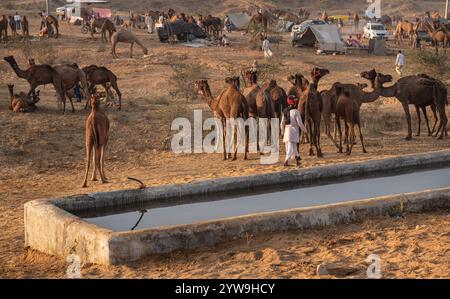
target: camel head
<point>10,59</point>
<point>317,73</point>
<point>202,86</point>
<point>95,101</point>
<point>235,80</point>
<point>382,78</point>
<point>369,75</point>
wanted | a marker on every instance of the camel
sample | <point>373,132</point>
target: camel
<point>101,75</point>
<point>348,108</point>
<point>260,20</point>
<point>12,26</point>
<point>402,28</point>
<point>420,91</point>
<point>310,107</point>
<point>213,26</point>
<point>37,75</point>
<point>4,29</point>
<point>97,134</point>
<point>357,93</point>
<point>71,75</point>
<point>441,35</point>
<point>22,102</point>
<point>231,104</point>
<point>128,37</point>
<point>104,25</point>
<point>49,20</point>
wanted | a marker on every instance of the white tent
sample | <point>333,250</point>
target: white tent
<point>326,37</point>
<point>240,20</point>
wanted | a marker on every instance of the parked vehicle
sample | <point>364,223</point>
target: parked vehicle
<point>375,30</point>
<point>299,29</point>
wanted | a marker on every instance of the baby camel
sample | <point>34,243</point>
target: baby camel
<point>97,133</point>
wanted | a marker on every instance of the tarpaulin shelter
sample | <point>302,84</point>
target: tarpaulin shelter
<point>239,20</point>
<point>326,37</point>
<point>180,29</point>
<point>102,12</point>
<point>283,26</point>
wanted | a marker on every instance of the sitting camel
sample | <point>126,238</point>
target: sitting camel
<point>97,133</point>
<point>125,36</point>
<point>22,102</point>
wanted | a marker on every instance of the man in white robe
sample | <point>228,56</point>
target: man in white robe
<point>291,130</point>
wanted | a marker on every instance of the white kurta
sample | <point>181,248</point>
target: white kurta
<point>292,133</point>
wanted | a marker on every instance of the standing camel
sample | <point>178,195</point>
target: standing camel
<point>128,37</point>
<point>96,75</point>
<point>97,134</point>
<point>441,35</point>
<point>71,75</point>
<point>4,28</point>
<point>230,105</point>
<point>103,25</point>
<point>348,108</point>
<point>417,90</point>
<point>402,28</point>
<point>37,75</point>
<point>260,20</point>
<point>49,20</point>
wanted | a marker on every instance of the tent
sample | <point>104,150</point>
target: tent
<point>181,29</point>
<point>326,37</point>
<point>239,20</point>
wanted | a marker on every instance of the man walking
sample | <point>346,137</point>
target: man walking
<point>400,63</point>
<point>266,48</point>
<point>149,21</point>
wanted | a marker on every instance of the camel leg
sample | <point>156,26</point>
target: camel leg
<point>317,138</point>
<point>361,138</point>
<point>347,137</point>
<point>94,162</point>
<point>433,108</point>
<point>408,120</point>
<point>235,145</point>
<point>88,161</point>
<point>247,132</point>
<point>424,110</point>
<point>119,94</point>
<point>224,151</point>
<point>418,119</point>
<point>338,130</point>
<point>131,50</point>
<point>442,123</point>
<point>102,165</point>
<point>312,140</point>
<point>351,137</point>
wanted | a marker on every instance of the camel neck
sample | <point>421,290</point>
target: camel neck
<point>389,91</point>
<point>369,97</point>
<point>20,73</point>
<point>209,98</point>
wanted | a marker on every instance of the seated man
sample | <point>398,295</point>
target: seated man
<point>353,42</point>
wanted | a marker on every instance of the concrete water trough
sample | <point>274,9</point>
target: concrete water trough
<point>124,226</point>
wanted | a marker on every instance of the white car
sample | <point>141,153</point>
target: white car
<point>375,30</point>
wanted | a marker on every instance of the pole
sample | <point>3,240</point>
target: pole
<point>47,6</point>
<point>446,9</point>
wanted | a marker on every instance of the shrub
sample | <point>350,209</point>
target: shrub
<point>183,78</point>
<point>436,64</point>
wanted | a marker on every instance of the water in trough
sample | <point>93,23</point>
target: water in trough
<point>273,200</point>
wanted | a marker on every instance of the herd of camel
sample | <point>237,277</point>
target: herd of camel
<point>439,35</point>
<point>341,100</point>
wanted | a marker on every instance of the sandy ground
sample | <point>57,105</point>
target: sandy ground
<point>42,155</point>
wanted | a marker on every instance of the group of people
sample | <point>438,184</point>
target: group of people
<point>16,23</point>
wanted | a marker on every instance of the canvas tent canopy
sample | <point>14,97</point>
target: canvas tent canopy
<point>181,30</point>
<point>326,37</point>
<point>239,20</point>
